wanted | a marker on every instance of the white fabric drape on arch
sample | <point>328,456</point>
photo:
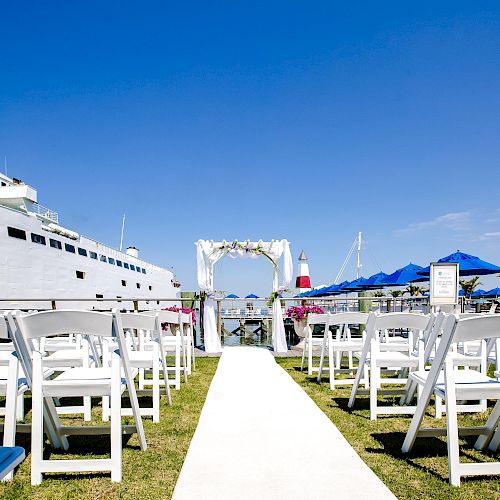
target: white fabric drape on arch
<point>209,252</point>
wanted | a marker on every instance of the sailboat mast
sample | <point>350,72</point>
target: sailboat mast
<point>359,255</point>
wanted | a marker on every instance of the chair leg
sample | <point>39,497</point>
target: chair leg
<point>156,387</point>
<point>303,354</point>
<point>116,424</point>
<point>36,421</point>
<point>439,407</point>
<point>452,434</point>
<point>310,356</point>
<point>142,379</point>
<point>20,408</point>
<point>331,366</point>
<point>321,359</point>
<point>105,409</point>
<point>374,384</point>
<point>484,439</point>
<point>177,366</point>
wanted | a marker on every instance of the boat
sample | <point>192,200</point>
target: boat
<point>43,260</point>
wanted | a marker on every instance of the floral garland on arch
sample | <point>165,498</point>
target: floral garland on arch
<point>246,246</point>
<point>185,310</point>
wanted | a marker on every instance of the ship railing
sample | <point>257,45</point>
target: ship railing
<point>41,211</point>
<point>117,254</point>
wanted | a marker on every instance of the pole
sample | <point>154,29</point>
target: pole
<point>123,228</point>
<point>359,255</point>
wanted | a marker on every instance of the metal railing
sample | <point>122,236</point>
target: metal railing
<point>42,211</point>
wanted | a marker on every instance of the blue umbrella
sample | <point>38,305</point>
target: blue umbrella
<point>478,293</point>
<point>251,296</point>
<point>373,282</point>
<point>403,276</point>
<point>318,292</point>
<point>461,293</point>
<point>232,296</point>
<point>495,292</point>
<point>469,265</point>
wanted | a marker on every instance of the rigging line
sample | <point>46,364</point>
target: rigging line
<point>346,260</point>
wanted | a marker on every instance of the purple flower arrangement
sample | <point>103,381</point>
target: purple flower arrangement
<point>301,312</point>
<point>184,310</point>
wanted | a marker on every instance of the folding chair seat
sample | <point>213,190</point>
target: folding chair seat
<point>452,385</point>
<point>110,381</point>
<point>343,343</point>
<point>397,356</point>
<point>10,458</point>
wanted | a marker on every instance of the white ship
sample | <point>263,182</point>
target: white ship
<point>40,259</point>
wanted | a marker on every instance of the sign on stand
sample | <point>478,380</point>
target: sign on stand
<point>444,283</point>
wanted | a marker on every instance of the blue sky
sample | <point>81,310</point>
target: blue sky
<point>302,120</point>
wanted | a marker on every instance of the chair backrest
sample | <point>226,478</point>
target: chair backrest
<point>61,322</point>
<point>170,317</point>
<point>138,321</point>
<point>317,319</point>
<point>4,332</point>
<point>400,320</point>
<point>349,318</point>
<point>481,327</point>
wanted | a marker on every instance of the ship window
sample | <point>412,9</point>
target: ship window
<point>102,258</point>
<point>125,265</point>
<point>16,233</point>
<point>82,252</point>
<point>99,296</point>
<point>132,267</point>
<point>150,288</point>
<point>80,275</point>
<point>118,297</point>
<point>119,263</point>
<point>111,260</point>
<point>138,285</point>
<point>158,302</point>
<point>138,269</point>
<point>3,184</point>
<point>143,271</point>
<point>55,244</point>
<point>124,283</point>
<point>69,248</point>
<point>93,255</point>
<point>38,238</point>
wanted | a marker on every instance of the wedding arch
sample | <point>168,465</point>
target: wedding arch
<point>209,252</point>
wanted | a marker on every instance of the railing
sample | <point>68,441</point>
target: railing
<point>42,211</point>
<point>329,304</point>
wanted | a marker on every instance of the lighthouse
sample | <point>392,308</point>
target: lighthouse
<point>303,281</point>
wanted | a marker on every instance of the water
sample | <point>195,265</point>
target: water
<point>253,339</point>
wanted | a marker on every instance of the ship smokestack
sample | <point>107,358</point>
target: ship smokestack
<point>133,252</point>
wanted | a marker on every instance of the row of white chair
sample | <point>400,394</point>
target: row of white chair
<point>442,355</point>
<point>59,354</point>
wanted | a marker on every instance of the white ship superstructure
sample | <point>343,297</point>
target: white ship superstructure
<point>40,259</point>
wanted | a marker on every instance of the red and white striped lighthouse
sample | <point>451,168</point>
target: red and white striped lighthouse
<point>303,281</point>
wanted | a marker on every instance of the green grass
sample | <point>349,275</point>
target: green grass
<point>146,474</point>
<point>420,475</point>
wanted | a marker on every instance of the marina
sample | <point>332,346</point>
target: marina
<point>250,251</point>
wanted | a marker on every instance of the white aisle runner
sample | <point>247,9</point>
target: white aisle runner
<point>261,437</point>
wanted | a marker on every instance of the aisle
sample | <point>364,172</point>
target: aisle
<point>261,437</point>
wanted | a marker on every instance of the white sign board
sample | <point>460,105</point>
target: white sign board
<point>444,283</point>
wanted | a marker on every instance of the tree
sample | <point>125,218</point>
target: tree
<point>378,293</point>
<point>413,290</point>
<point>468,286</point>
<point>396,293</point>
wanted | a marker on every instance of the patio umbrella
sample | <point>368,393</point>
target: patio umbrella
<point>469,265</point>
<point>495,292</point>
<point>252,296</point>
<point>403,276</point>
<point>232,296</point>
<point>478,293</point>
<point>318,292</point>
<point>373,282</point>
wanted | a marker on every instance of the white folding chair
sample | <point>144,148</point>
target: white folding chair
<point>144,344</point>
<point>310,341</point>
<point>390,354</point>
<point>452,384</point>
<point>343,343</point>
<point>109,381</point>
